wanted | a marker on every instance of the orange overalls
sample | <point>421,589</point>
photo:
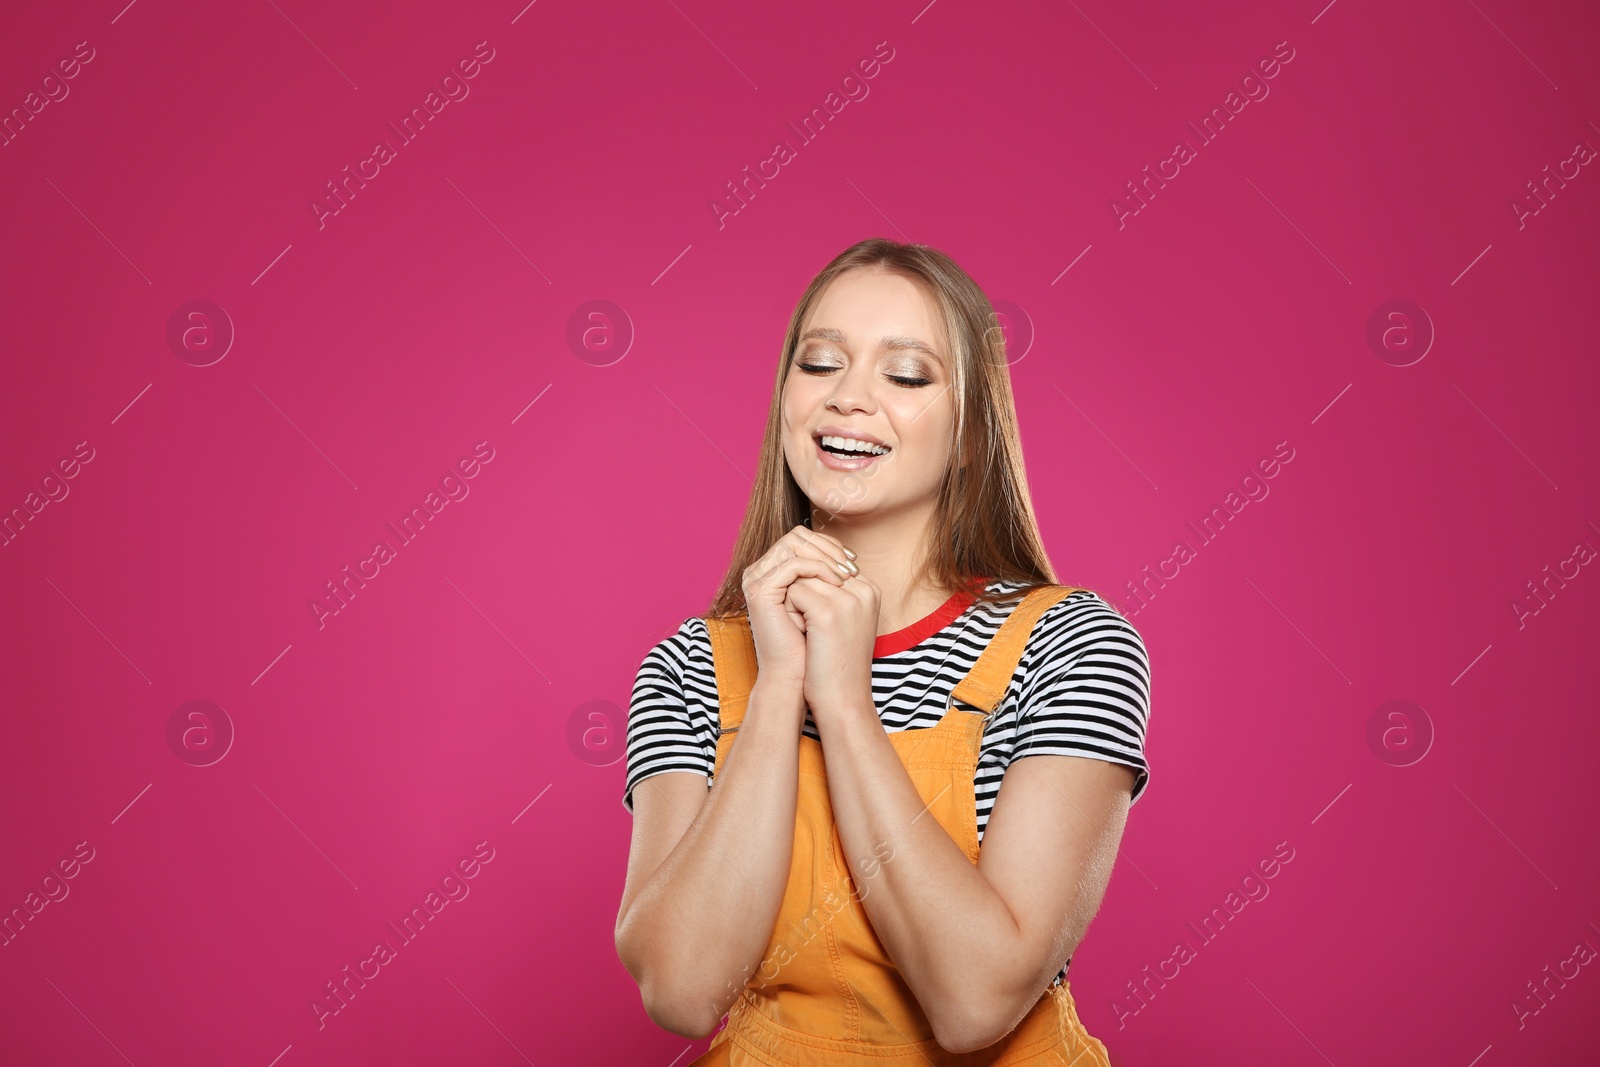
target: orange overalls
<point>827,992</point>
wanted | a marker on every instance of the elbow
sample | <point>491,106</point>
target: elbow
<point>667,999</point>
<point>960,1029</point>
<point>679,1015</point>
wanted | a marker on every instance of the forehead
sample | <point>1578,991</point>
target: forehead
<point>865,311</point>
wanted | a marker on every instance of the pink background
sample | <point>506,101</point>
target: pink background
<point>444,704</point>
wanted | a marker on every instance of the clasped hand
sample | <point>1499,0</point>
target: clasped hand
<point>840,623</point>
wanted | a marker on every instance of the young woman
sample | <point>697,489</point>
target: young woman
<point>887,644</point>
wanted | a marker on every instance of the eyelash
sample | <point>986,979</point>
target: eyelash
<point>912,383</point>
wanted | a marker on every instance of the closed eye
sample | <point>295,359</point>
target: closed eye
<point>909,382</point>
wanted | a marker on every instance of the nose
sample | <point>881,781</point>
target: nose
<point>853,390</point>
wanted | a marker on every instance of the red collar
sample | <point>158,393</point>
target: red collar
<point>913,635</point>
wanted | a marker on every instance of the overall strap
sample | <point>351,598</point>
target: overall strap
<point>733,654</point>
<point>985,685</point>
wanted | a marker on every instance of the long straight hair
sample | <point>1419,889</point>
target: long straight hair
<point>983,527</point>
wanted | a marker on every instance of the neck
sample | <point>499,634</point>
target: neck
<point>889,548</point>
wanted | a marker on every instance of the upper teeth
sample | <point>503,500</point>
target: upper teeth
<point>854,445</point>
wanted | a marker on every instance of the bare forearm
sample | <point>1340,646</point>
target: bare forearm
<point>940,920</point>
<point>704,920</point>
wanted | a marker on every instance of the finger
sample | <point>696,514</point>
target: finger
<point>825,538</point>
<point>825,545</point>
<point>785,571</point>
<point>801,542</point>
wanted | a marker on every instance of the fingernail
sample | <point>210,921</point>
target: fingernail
<point>844,568</point>
<point>849,553</point>
<point>854,569</point>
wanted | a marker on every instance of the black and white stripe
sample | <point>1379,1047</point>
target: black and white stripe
<point>1082,688</point>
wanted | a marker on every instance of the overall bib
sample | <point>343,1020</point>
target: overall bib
<point>827,993</point>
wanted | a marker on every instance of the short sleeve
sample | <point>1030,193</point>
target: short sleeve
<point>670,724</point>
<point>1085,687</point>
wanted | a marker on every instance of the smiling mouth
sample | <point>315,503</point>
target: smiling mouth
<point>862,450</point>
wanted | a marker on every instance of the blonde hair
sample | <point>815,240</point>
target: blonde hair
<point>983,524</point>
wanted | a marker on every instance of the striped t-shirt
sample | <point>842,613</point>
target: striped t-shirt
<point>1082,688</point>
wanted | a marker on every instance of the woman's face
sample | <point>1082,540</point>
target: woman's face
<point>871,365</point>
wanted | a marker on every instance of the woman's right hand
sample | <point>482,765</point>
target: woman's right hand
<point>778,630</point>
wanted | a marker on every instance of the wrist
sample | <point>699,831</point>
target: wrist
<point>779,690</point>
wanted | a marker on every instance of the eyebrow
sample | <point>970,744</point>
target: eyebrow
<point>894,343</point>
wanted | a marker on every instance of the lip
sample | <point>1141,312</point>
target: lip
<point>840,463</point>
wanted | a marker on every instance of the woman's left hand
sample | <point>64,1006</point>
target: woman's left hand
<point>841,625</point>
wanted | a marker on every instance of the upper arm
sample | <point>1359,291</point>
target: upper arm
<point>664,807</point>
<point>1076,766</point>
<point>1048,851</point>
<point>669,730</point>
